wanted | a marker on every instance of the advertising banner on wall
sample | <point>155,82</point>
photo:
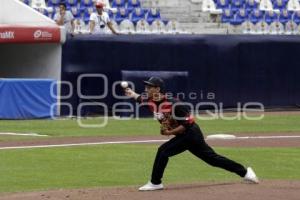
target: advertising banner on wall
<point>29,34</point>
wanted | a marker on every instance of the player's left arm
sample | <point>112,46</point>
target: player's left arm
<point>176,131</point>
<point>181,114</point>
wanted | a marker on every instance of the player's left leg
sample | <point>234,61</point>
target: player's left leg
<point>171,148</point>
<point>202,150</point>
<point>207,154</point>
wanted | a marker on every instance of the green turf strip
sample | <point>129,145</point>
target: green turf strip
<point>122,165</point>
<point>270,124</point>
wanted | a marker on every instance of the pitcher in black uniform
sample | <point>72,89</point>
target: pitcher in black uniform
<point>188,136</point>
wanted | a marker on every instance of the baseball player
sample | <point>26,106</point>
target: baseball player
<point>188,135</point>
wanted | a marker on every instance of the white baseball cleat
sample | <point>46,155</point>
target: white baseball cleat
<point>250,176</point>
<point>150,187</point>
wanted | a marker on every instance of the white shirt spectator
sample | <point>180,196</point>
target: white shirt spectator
<point>68,18</point>
<point>100,22</point>
<point>107,6</point>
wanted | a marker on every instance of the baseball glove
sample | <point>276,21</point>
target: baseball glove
<point>168,123</point>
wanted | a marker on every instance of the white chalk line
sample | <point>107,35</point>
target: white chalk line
<point>137,142</point>
<point>83,144</point>
<point>270,137</point>
<point>24,134</point>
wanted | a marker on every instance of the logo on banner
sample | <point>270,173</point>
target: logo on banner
<point>7,35</point>
<point>42,35</point>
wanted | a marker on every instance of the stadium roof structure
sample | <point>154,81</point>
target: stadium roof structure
<point>20,23</point>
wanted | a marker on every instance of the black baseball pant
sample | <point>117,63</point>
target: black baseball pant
<point>193,141</point>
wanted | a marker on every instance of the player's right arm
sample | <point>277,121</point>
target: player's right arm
<point>130,93</point>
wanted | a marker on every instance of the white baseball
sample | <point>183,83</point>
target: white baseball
<point>124,84</point>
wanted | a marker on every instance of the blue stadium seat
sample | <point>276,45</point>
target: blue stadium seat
<point>118,4</point>
<point>227,16</point>
<point>236,5</point>
<point>239,17</point>
<point>132,4</point>
<point>25,1</point>
<point>46,13</point>
<point>86,17</point>
<point>111,14</point>
<point>121,15</point>
<point>43,11</point>
<point>86,3</point>
<point>153,14</point>
<point>256,16</point>
<point>53,3</point>
<point>279,4</point>
<point>222,4</point>
<point>270,17</point>
<point>55,9</point>
<point>90,9</point>
<point>296,17</point>
<point>137,15</point>
<point>71,3</point>
<point>251,5</point>
<point>75,11</point>
<point>285,16</point>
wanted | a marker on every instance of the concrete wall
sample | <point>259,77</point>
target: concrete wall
<point>189,14</point>
<point>15,12</point>
<point>30,61</point>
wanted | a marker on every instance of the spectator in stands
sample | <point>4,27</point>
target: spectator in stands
<point>107,6</point>
<point>100,20</point>
<point>64,18</point>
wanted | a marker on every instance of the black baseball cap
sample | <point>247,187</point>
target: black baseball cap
<point>155,82</point>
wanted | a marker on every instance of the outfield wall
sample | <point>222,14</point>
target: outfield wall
<point>234,68</point>
<point>30,61</point>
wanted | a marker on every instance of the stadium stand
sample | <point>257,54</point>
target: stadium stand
<point>197,16</point>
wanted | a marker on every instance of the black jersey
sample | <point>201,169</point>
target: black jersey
<point>169,106</point>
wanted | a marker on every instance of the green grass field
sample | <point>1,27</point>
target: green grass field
<point>123,165</point>
<point>62,128</point>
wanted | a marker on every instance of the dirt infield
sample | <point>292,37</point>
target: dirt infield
<point>255,142</point>
<point>266,190</point>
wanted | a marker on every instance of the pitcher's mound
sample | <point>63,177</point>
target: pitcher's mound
<point>266,190</point>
